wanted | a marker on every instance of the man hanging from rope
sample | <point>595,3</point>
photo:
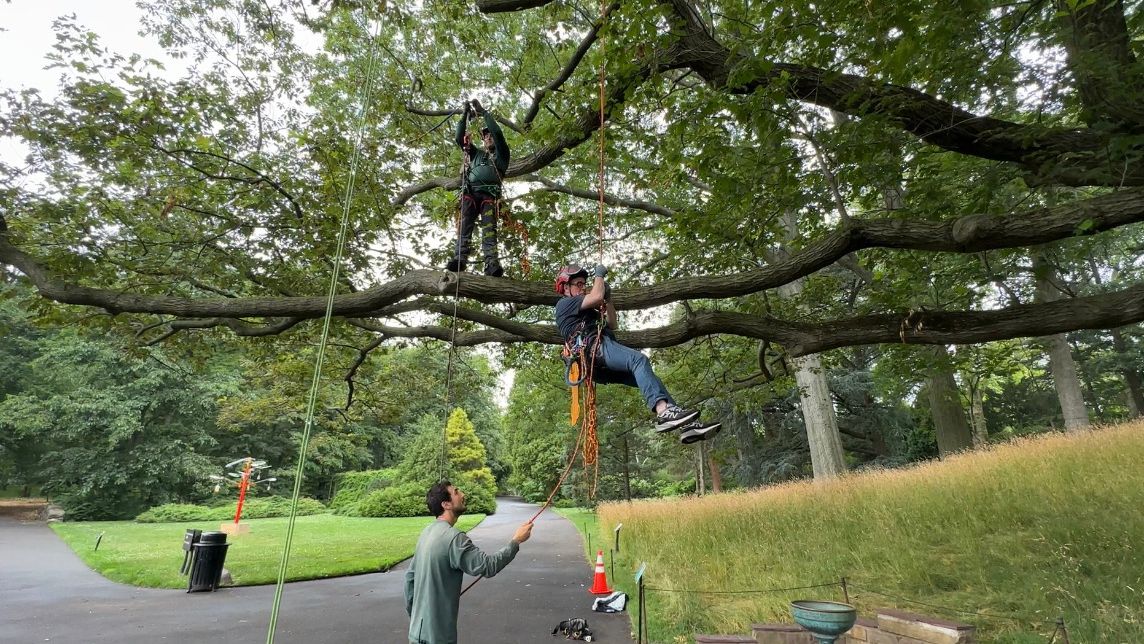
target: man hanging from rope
<point>578,318</point>
<point>481,181</point>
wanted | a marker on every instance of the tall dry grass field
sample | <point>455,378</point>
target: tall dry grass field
<point>1031,530</point>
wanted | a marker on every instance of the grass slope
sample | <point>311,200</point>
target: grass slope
<point>1025,532</point>
<point>323,546</point>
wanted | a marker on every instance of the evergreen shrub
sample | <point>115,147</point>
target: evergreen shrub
<point>354,487</point>
<point>252,508</point>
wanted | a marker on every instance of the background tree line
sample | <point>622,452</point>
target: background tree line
<point>854,236</point>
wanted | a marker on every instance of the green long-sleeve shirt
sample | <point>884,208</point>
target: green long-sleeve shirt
<point>486,171</point>
<point>433,581</point>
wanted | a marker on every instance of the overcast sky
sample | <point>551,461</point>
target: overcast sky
<point>27,37</point>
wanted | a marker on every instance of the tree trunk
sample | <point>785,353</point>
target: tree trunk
<point>1061,362</point>
<point>1132,380</point>
<point>814,395</point>
<point>980,431</point>
<point>716,475</point>
<point>627,472</point>
<point>952,430</point>
<point>818,415</point>
<point>700,488</point>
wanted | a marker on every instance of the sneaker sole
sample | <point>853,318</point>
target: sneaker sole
<point>677,423</point>
<point>701,433</point>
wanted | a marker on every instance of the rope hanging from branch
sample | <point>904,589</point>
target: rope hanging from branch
<point>311,403</point>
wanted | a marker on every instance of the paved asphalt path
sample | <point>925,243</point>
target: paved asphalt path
<point>48,595</point>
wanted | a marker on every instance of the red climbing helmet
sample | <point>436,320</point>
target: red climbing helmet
<point>566,274</point>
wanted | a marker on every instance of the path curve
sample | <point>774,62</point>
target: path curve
<point>48,595</point>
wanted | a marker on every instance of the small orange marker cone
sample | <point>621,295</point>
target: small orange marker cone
<point>600,582</point>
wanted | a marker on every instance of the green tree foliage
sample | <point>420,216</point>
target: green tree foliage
<point>455,453</point>
<point>19,453</point>
<point>352,487</point>
<point>467,464</point>
<point>121,433</point>
<point>927,151</point>
<point>252,508</point>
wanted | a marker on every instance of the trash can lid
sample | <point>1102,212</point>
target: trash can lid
<point>213,537</point>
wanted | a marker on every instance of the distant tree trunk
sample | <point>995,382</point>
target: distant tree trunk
<point>818,415</point>
<point>716,475</point>
<point>814,395</point>
<point>1061,362</point>
<point>627,472</point>
<point>952,430</point>
<point>980,430</point>
<point>700,488</point>
<point>1132,380</point>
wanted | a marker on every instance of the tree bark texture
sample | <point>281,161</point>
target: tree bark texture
<point>817,410</point>
<point>818,414</point>
<point>1061,362</point>
<point>817,403</point>
<point>715,474</point>
<point>952,430</point>
<point>980,430</point>
<point>1133,384</point>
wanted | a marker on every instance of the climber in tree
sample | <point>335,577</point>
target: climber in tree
<point>578,319</point>
<point>481,181</point>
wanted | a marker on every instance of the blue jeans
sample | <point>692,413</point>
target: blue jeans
<point>626,366</point>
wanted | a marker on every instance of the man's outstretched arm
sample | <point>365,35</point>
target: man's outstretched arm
<point>467,557</point>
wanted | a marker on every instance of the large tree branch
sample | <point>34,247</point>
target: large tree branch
<point>1108,310</point>
<point>238,327</point>
<point>610,199</point>
<point>968,234</point>
<point>505,6</point>
<point>1067,156</point>
<point>578,131</point>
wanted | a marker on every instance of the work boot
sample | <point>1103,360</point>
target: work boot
<point>455,265</point>
<point>494,269</point>
<point>699,432</point>
<point>674,417</point>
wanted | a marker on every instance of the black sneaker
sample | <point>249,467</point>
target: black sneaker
<point>494,269</point>
<point>674,417</point>
<point>455,266</point>
<point>699,432</point>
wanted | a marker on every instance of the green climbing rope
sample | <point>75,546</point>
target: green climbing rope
<point>311,403</point>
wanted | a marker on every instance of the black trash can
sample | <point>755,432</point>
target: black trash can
<point>189,540</point>
<point>206,565</point>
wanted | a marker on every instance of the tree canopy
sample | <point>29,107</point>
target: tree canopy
<point>925,151</point>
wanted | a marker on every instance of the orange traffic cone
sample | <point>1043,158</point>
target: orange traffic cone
<point>600,582</point>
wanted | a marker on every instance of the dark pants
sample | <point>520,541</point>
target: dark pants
<point>472,204</point>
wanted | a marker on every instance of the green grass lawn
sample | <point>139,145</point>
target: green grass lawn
<point>323,546</point>
<point>1007,539</point>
